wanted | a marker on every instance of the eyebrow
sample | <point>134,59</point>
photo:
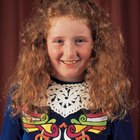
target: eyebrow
<point>62,37</point>
<point>57,37</point>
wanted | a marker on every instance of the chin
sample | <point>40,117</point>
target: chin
<point>73,78</point>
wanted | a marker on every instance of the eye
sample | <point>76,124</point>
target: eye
<point>80,41</point>
<point>59,41</point>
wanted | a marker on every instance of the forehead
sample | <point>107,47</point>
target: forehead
<point>69,18</point>
<point>70,24</point>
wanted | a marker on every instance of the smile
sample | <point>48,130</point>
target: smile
<point>69,61</point>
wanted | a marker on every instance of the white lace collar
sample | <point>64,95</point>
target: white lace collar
<point>66,99</point>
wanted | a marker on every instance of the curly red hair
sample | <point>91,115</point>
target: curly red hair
<point>105,71</point>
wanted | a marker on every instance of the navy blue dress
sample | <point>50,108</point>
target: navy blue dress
<point>78,125</point>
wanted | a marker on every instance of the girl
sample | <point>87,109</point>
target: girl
<point>69,82</point>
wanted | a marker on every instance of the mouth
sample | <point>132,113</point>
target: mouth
<point>70,61</point>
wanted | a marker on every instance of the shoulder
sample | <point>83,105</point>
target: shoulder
<point>122,128</point>
<point>12,126</point>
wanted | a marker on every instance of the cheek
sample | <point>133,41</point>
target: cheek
<point>53,53</point>
<point>86,54</point>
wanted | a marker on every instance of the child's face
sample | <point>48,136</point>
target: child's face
<point>69,44</point>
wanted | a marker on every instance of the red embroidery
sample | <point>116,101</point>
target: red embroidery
<point>41,136</point>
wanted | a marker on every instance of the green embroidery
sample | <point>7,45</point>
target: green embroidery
<point>83,121</point>
<point>83,133</point>
<point>43,119</point>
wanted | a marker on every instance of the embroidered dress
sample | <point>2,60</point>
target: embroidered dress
<point>68,118</point>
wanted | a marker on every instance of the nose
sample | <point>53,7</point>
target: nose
<point>69,50</point>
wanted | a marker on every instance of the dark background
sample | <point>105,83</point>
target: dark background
<point>125,14</point>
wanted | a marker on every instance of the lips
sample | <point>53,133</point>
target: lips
<point>69,61</point>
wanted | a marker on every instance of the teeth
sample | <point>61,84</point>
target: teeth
<point>70,62</point>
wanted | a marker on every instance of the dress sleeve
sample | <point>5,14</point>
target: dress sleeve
<point>122,129</point>
<point>12,126</point>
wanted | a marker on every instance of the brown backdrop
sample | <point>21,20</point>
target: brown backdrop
<point>124,13</point>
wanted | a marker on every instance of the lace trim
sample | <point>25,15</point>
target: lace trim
<point>67,99</point>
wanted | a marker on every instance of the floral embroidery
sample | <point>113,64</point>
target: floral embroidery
<point>78,129</point>
<point>94,123</point>
<point>40,122</point>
